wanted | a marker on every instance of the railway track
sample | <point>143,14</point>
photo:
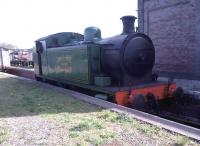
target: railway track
<point>19,71</point>
<point>181,125</point>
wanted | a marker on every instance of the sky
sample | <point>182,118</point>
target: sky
<point>24,21</point>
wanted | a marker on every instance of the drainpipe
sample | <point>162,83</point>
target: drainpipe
<point>197,9</point>
<point>141,15</point>
<point>1,60</point>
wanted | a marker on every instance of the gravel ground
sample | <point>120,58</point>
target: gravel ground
<point>32,130</point>
<point>34,115</point>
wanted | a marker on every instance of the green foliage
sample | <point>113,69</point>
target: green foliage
<point>73,135</point>
<point>3,133</point>
<point>125,119</point>
<point>97,139</point>
<point>181,140</point>
<point>81,127</point>
<point>8,46</point>
<point>86,124</point>
<point>114,117</point>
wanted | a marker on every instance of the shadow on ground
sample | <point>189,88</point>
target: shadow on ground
<point>80,121</point>
<point>22,98</point>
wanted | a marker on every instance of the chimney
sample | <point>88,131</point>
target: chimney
<point>128,24</point>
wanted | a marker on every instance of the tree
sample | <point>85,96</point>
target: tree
<point>8,46</point>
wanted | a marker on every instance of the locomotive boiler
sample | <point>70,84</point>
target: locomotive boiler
<point>129,57</point>
<point>119,67</point>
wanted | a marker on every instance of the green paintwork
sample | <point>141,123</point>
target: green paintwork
<point>74,64</point>
<point>94,61</point>
<point>35,59</point>
<point>102,96</point>
<point>77,63</point>
<point>61,39</point>
<point>92,34</point>
<point>43,61</point>
<point>68,63</point>
<point>102,81</point>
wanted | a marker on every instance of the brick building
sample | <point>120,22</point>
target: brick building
<point>174,26</point>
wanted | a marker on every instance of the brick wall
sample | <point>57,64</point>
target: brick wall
<point>171,24</point>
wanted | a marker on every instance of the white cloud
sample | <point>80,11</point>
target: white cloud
<point>23,21</point>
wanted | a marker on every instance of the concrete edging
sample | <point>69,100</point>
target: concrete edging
<point>152,119</point>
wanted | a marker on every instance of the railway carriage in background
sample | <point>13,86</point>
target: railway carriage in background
<point>21,57</point>
<point>118,68</point>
